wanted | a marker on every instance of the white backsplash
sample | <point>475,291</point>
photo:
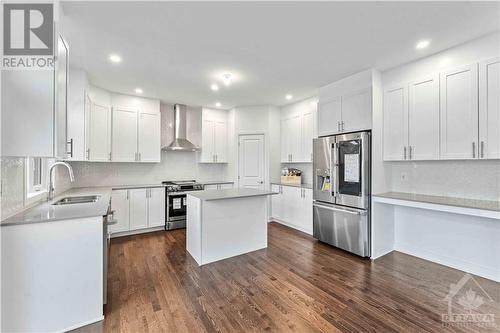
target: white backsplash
<point>173,166</point>
<point>467,179</point>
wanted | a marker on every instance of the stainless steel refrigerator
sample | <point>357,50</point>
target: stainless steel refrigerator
<point>341,191</point>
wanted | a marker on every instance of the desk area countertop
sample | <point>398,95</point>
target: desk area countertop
<point>233,193</point>
<point>475,207</point>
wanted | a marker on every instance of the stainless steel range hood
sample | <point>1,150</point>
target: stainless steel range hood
<point>180,142</point>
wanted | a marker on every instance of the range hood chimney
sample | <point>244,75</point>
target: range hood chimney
<point>180,142</point>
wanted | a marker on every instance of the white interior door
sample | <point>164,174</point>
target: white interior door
<point>124,138</point>
<point>489,109</point>
<point>251,161</point>
<point>99,130</point>
<point>459,113</point>
<point>149,137</point>
<point>423,119</point>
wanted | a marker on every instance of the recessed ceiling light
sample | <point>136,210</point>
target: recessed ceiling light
<point>138,90</point>
<point>218,104</point>
<point>289,96</point>
<point>115,58</point>
<point>214,87</point>
<point>423,44</point>
<point>226,78</point>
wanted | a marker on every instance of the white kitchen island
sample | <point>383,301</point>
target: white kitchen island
<point>226,223</point>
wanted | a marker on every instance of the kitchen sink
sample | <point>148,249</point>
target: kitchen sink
<point>77,200</point>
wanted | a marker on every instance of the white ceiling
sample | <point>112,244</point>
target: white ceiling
<point>174,51</point>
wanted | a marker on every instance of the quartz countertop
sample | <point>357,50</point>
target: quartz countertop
<point>304,185</point>
<point>46,211</point>
<point>442,200</point>
<point>208,195</point>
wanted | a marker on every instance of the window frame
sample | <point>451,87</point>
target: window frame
<point>35,192</point>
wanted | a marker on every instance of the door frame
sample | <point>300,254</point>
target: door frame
<point>266,157</point>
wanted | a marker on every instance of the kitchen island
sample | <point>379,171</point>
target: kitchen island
<point>226,223</point>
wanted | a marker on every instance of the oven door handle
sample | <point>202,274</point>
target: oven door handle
<point>176,194</point>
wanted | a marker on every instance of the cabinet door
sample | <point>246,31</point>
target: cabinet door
<point>99,129</point>
<point>289,204</point>
<point>395,123</point>
<point>120,204</point>
<point>329,116</point>
<point>220,141</point>
<point>459,113</point>
<point>207,141</point>
<point>124,135</point>
<point>77,109</point>
<point>285,154</point>
<point>293,138</point>
<point>306,211</point>
<point>149,137</point>
<point>423,119</point>
<point>357,111</point>
<point>276,203</point>
<point>156,207</point>
<point>138,209</point>
<point>61,95</point>
<point>307,136</point>
<point>489,109</point>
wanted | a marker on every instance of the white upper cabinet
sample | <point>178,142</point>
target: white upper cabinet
<point>357,111</point>
<point>395,123</point>
<point>297,131</point>
<point>459,113</point>
<point>149,149</point>
<point>329,116</point>
<point>214,136</point>
<point>124,135</point>
<point>346,105</point>
<point>489,109</point>
<point>99,133</point>
<point>423,119</point>
<point>77,112</point>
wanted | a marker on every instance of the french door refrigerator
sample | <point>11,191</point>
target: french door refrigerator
<point>341,191</point>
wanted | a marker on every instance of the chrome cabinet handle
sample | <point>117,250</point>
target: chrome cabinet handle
<point>70,152</point>
<point>409,152</point>
<point>473,150</point>
<point>482,149</point>
<point>88,154</point>
<point>342,125</point>
<point>139,157</point>
<point>404,152</point>
<point>338,126</point>
<point>109,156</point>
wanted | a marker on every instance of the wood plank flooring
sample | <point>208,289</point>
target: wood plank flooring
<point>295,285</point>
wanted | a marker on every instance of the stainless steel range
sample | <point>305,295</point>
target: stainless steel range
<point>175,202</point>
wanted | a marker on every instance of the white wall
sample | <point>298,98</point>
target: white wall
<point>255,119</point>
<point>472,179</point>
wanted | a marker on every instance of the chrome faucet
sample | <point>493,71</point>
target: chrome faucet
<point>50,195</point>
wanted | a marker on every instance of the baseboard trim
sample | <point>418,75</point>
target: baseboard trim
<point>455,263</point>
<point>273,219</point>
<point>136,232</point>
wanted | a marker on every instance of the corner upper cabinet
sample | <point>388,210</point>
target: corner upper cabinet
<point>489,109</point>
<point>459,113</point>
<point>395,123</point>
<point>214,136</point>
<point>297,131</point>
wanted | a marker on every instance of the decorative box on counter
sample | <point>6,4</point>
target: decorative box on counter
<point>291,176</point>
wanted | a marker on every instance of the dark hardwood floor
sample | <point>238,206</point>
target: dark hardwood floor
<point>295,285</point>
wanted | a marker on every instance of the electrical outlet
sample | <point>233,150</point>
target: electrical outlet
<point>404,176</point>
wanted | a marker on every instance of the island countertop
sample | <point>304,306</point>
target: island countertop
<point>233,193</point>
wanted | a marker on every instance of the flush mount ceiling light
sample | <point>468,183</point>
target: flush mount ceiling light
<point>214,87</point>
<point>226,78</point>
<point>289,97</point>
<point>422,44</point>
<point>115,58</point>
<point>218,104</point>
<point>138,90</point>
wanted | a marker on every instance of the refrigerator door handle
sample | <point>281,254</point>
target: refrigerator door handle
<point>342,210</point>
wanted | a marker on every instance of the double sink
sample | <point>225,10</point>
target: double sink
<point>77,200</point>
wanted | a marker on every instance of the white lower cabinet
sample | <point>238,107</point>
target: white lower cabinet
<point>292,206</point>
<point>137,209</point>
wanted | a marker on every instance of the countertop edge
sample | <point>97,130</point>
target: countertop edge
<point>303,185</point>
